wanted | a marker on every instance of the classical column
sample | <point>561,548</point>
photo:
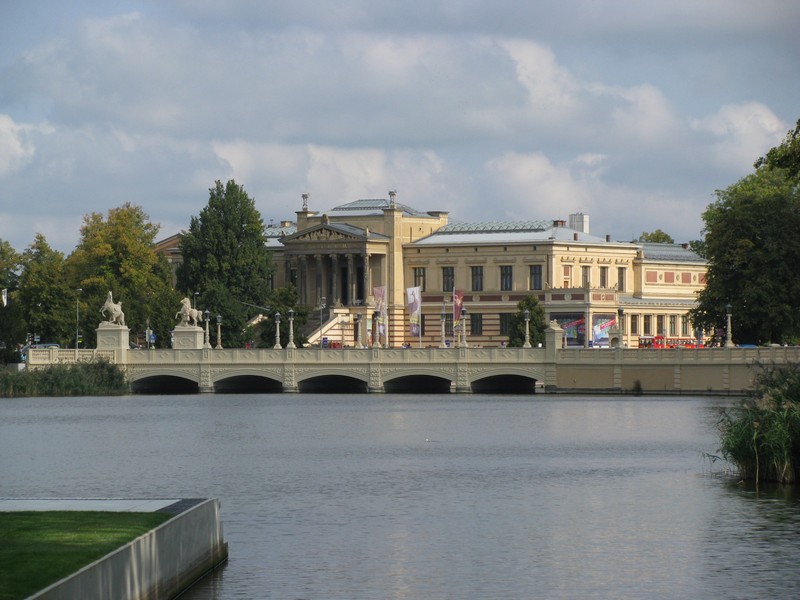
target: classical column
<point>320,281</point>
<point>302,283</point>
<point>351,280</point>
<point>367,282</point>
<point>335,297</point>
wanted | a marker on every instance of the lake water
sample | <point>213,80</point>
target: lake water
<point>412,497</point>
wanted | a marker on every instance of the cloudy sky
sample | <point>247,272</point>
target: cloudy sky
<point>631,111</point>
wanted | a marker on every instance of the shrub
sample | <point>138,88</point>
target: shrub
<point>761,435</point>
<point>99,378</point>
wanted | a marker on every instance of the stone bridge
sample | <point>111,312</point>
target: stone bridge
<point>431,370</point>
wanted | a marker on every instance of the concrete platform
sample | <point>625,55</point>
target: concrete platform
<point>92,504</point>
<point>159,564</point>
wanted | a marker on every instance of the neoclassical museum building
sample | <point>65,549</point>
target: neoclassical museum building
<point>338,259</point>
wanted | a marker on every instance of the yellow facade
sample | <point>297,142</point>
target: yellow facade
<point>342,254</point>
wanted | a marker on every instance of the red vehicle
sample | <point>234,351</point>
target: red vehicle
<point>659,342</point>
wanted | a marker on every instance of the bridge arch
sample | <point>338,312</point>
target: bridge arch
<point>163,382</point>
<point>333,381</point>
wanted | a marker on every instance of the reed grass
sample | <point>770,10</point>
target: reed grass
<point>99,378</point>
<point>761,435</point>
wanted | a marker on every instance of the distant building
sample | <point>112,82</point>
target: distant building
<point>346,252</point>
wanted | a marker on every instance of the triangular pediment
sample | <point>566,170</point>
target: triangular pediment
<point>326,233</point>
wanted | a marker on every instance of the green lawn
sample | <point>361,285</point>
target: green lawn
<point>39,548</point>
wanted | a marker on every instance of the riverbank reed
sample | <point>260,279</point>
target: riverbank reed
<point>761,435</point>
<point>99,378</point>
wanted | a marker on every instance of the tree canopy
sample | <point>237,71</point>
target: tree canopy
<point>226,260</point>
<point>46,299</point>
<point>117,253</point>
<point>753,248</point>
<point>516,330</point>
<point>656,237</point>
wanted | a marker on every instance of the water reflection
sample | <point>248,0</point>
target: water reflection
<point>409,497</point>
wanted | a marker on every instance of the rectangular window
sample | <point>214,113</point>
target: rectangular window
<point>586,276</point>
<point>448,279</point>
<point>621,279</point>
<point>673,325</point>
<point>603,277</point>
<point>648,325</point>
<point>536,277</point>
<point>660,325</point>
<point>567,276</point>
<point>477,279</point>
<point>506,278</point>
<point>505,323</point>
<point>685,326</point>
<point>419,278</point>
<point>634,320</point>
<point>475,324</point>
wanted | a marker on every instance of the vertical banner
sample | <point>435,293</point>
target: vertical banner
<point>414,309</point>
<point>380,307</point>
<point>458,302</point>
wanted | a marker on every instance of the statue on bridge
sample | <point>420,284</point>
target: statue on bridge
<point>112,311</point>
<point>188,314</point>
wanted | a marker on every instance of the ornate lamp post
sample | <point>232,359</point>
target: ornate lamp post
<point>194,299</point>
<point>77,317</point>
<point>728,313</point>
<point>321,308</point>
<point>291,330</point>
<point>277,345</point>
<point>444,319</point>
<point>621,326</point>
<point>376,338</point>
<point>219,332</point>
<point>527,315</point>
<point>464,327</point>
<point>207,315</point>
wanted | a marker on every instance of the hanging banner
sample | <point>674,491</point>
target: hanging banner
<point>380,307</point>
<point>458,302</point>
<point>413,297</point>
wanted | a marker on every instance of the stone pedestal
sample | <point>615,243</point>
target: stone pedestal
<point>188,337</point>
<point>111,336</point>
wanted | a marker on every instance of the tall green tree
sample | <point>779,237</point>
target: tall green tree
<point>784,156</point>
<point>537,325</point>
<point>656,237</point>
<point>12,329</point>
<point>226,259</point>
<point>48,302</point>
<point>117,253</point>
<point>753,248</point>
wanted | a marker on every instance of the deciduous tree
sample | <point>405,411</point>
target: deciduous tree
<point>118,253</point>
<point>753,248</point>
<point>656,237</point>
<point>46,299</point>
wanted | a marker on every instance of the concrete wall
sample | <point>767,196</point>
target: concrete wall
<point>157,565</point>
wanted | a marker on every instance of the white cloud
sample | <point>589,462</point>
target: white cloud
<point>741,133</point>
<point>550,87</point>
<point>16,149</point>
